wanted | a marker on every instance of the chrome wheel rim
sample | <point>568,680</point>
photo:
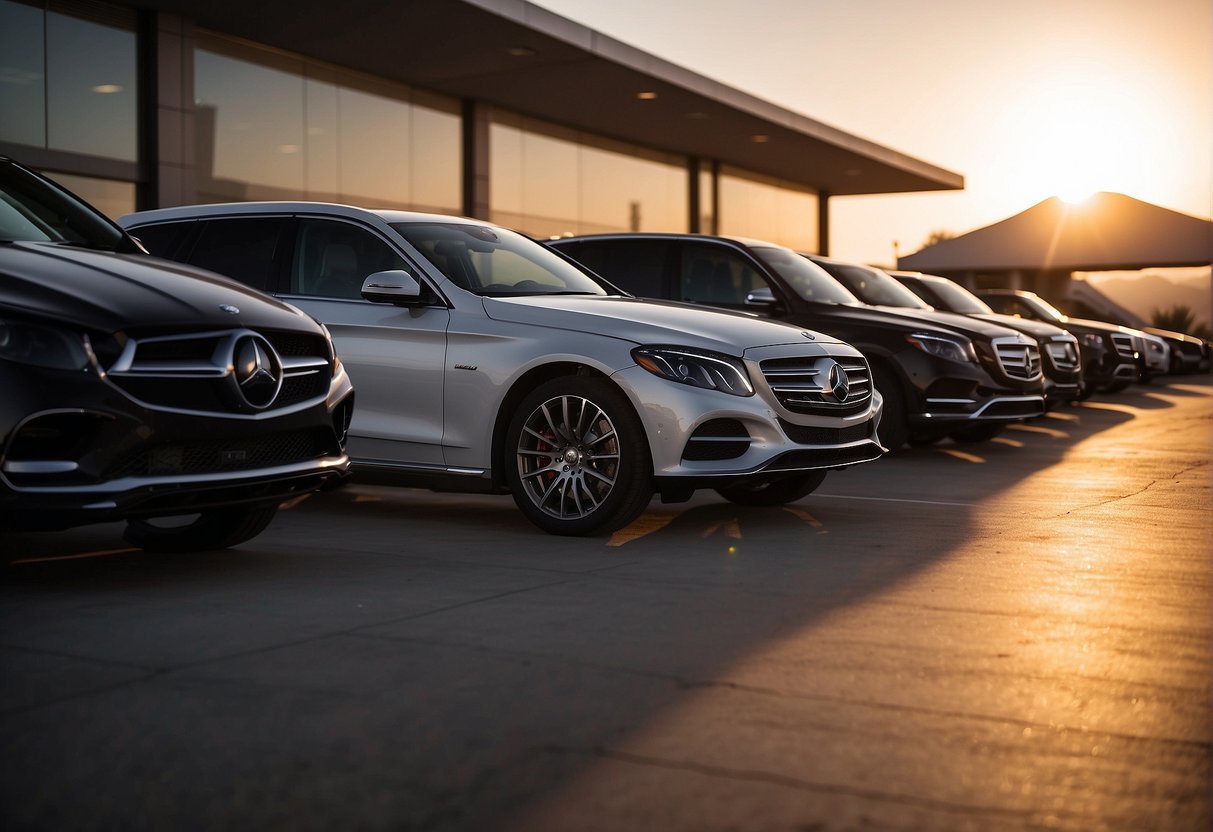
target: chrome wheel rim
<point>568,457</point>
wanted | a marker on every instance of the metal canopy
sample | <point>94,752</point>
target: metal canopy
<point>1106,232</point>
<point>520,57</point>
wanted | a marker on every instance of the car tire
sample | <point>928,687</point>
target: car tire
<point>775,493</point>
<point>577,458</point>
<point>214,529</point>
<point>894,421</point>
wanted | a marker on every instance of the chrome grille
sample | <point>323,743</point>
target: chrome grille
<point>801,384</point>
<point>1018,359</point>
<point>1124,344</point>
<point>193,373</point>
<point>1063,354</point>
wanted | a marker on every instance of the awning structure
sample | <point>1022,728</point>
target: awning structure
<point>1106,232</point>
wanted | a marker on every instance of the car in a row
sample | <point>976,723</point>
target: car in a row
<point>135,390</point>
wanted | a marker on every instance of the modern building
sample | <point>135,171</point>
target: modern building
<point>496,109</point>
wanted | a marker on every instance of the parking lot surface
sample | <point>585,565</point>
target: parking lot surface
<point>1007,635</point>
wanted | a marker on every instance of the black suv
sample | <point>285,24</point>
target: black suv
<point>966,380</point>
<point>139,390</point>
<point>914,290</point>
<point>1111,360</point>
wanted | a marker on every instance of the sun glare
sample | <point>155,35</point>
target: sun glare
<point>1076,195</point>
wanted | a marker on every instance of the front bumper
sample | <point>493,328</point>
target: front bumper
<point>77,450</point>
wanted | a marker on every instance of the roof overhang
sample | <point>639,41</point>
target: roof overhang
<point>518,56</point>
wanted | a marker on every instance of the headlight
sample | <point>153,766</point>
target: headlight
<point>698,368</point>
<point>952,349</point>
<point>43,346</point>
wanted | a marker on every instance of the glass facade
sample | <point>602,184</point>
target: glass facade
<point>274,127</point>
<point>109,197</point>
<point>546,181</point>
<point>60,72</point>
<point>763,208</point>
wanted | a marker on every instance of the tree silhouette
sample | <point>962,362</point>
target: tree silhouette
<point>1179,318</point>
<point>938,236</point>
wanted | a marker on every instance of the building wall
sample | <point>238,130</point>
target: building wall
<point>133,110</point>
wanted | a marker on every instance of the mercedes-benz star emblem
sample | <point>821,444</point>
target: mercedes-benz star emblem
<point>837,383</point>
<point>257,370</point>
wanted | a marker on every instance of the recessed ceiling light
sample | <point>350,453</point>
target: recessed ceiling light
<point>288,148</point>
<point>106,89</point>
<point>760,138</point>
<point>646,95</point>
<point>520,51</point>
<point>698,115</point>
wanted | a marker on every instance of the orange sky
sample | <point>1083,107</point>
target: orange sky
<point>1026,98</point>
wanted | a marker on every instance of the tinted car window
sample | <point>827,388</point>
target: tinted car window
<point>716,276</point>
<point>806,278</point>
<point>242,248</point>
<point>162,240</point>
<point>332,259</point>
<point>636,266</point>
<point>875,287</point>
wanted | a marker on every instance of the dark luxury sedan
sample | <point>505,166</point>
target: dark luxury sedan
<point>1058,348</point>
<point>967,379</point>
<point>143,391</point>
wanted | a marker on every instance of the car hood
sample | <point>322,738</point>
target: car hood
<point>109,292</point>
<point>964,324</point>
<point>1037,329</point>
<point>644,321</point>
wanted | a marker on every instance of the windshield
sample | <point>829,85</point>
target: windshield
<point>806,278</point>
<point>875,288</point>
<point>1044,308</point>
<point>959,299</point>
<point>492,261</point>
<point>35,211</point>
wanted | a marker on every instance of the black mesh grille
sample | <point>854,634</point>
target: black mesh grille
<point>799,384</point>
<point>212,456</point>
<point>717,439</point>
<point>807,435</point>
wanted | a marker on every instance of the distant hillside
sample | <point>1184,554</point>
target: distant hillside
<point>1143,292</point>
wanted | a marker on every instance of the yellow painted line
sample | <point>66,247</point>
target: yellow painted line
<point>974,458</point>
<point>642,526</point>
<point>1002,440</point>
<point>806,517</point>
<point>79,556</point>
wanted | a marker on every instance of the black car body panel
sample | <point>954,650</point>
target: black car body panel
<point>135,388</point>
<point>941,394</point>
<point>1059,349</point>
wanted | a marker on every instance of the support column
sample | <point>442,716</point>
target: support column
<point>169,146</point>
<point>477,118</point>
<point>823,223</point>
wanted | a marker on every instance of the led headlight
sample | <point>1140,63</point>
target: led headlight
<point>953,349</point>
<point>43,346</point>
<point>698,368</point>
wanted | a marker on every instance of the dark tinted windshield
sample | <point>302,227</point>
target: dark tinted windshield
<point>34,210</point>
<point>804,277</point>
<point>959,299</point>
<point>492,261</point>
<point>874,287</point>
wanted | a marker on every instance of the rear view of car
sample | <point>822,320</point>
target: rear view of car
<point>169,398</point>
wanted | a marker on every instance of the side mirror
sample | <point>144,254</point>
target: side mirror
<point>396,287</point>
<point>763,298</point>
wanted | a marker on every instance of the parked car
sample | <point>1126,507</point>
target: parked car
<point>181,402</point>
<point>1189,354</point>
<point>486,362</point>
<point>1111,360</point>
<point>1058,348</point>
<point>967,379</point>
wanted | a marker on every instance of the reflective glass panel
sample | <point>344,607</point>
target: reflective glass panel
<point>752,207</point>
<point>22,76</point>
<point>91,88</point>
<point>110,197</point>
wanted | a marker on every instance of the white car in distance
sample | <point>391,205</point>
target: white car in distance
<point>486,362</point>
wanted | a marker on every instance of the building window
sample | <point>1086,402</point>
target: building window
<point>110,197</point>
<point>757,206</point>
<point>547,182</point>
<point>69,83</point>
<point>277,127</point>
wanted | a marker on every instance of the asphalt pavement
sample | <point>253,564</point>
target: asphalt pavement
<point>1009,635</point>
